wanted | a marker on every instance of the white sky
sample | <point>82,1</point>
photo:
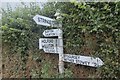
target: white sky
<point>24,0</point>
<point>15,3</point>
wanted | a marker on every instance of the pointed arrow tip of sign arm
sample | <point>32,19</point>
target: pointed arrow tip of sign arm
<point>34,18</point>
<point>44,33</point>
<point>100,62</point>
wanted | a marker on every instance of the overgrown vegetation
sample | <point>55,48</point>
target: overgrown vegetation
<point>95,25</point>
<point>86,25</point>
<point>48,73</point>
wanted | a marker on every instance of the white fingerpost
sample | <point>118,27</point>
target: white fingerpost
<point>60,50</point>
<point>60,44</point>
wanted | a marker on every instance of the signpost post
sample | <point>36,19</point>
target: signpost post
<point>50,45</point>
<point>60,44</point>
<point>60,50</point>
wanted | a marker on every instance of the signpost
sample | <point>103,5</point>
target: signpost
<point>48,45</point>
<point>45,21</point>
<point>83,60</point>
<point>52,32</point>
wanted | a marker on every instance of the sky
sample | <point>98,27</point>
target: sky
<point>15,3</point>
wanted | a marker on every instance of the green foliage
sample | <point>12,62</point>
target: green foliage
<point>81,22</point>
<point>46,72</point>
<point>20,32</point>
<point>100,20</point>
<point>35,74</point>
<point>67,74</point>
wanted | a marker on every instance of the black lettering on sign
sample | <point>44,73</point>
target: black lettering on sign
<point>69,60</point>
<point>44,20</point>
<point>48,46</point>
<point>48,21</point>
<point>47,41</point>
<point>86,63</point>
<point>50,34</point>
<point>43,41</point>
<point>50,40</point>
<point>50,50</point>
<point>79,62</point>
<point>72,57</point>
<point>95,64</point>
<point>40,19</point>
<point>82,62</point>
